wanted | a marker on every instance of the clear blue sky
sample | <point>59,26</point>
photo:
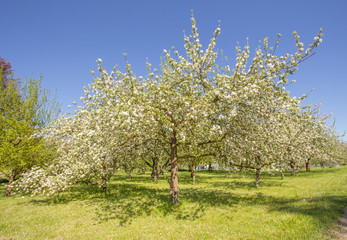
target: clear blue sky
<point>62,39</point>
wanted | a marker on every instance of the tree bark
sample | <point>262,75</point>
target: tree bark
<point>257,177</point>
<point>292,166</point>
<point>155,171</point>
<point>131,173</point>
<point>193,172</point>
<point>307,164</point>
<point>282,174</point>
<point>10,182</point>
<point>174,169</point>
<point>104,184</point>
<point>104,177</point>
<point>210,167</point>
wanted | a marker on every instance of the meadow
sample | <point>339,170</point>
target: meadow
<point>305,206</point>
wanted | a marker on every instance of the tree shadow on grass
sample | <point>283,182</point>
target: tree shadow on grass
<point>324,208</point>
<point>143,201</point>
<point>246,185</point>
<point>130,199</point>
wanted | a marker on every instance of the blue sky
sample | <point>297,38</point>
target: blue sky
<point>63,39</point>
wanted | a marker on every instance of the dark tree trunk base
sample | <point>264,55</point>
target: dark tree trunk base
<point>155,171</point>
<point>257,178</point>
<point>155,175</point>
<point>131,174</point>
<point>8,191</point>
<point>104,185</point>
<point>307,165</point>
<point>174,197</point>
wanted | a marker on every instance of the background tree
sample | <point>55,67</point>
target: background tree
<point>258,130</point>
<point>95,141</point>
<point>5,72</point>
<point>25,108</point>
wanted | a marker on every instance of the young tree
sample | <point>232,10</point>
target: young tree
<point>24,109</point>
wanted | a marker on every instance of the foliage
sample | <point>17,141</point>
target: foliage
<point>5,72</point>
<point>25,108</point>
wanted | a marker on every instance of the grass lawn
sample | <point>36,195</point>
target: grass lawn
<point>306,206</point>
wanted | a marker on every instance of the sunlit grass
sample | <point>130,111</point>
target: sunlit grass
<point>305,206</point>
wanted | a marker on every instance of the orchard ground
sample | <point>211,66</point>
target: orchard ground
<point>305,206</point>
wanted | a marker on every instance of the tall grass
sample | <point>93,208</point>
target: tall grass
<point>306,206</point>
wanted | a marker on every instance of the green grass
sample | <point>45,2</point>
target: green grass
<point>306,206</point>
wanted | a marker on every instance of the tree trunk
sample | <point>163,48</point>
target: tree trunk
<point>307,164</point>
<point>210,167</point>
<point>131,173</point>
<point>193,173</point>
<point>104,177</point>
<point>292,172</point>
<point>104,184</point>
<point>241,167</point>
<point>155,171</point>
<point>10,182</point>
<point>257,177</point>
<point>229,172</point>
<point>292,166</point>
<point>282,174</point>
<point>174,169</point>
